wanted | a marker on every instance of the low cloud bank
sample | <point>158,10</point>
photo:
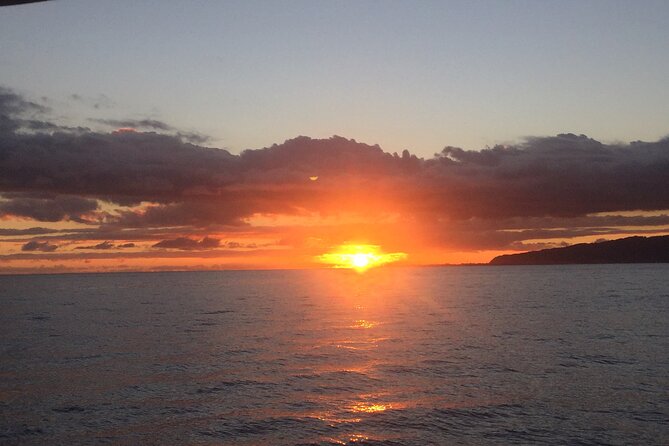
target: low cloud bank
<point>52,173</point>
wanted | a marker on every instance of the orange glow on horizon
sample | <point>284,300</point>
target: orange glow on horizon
<point>359,257</point>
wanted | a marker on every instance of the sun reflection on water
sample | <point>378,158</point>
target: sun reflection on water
<point>353,438</point>
<point>370,407</point>
<point>367,344</point>
<point>361,332</point>
<point>362,323</point>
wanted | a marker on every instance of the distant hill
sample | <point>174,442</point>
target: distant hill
<point>625,250</point>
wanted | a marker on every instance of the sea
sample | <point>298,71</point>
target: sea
<point>472,355</point>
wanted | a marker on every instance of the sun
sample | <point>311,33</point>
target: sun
<point>359,257</point>
<point>360,260</point>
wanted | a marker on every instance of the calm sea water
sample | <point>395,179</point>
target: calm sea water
<point>468,355</point>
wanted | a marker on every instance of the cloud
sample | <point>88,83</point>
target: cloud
<point>49,209</point>
<point>151,124</point>
<point>159,184</point>
<point>120,167</point>
<point>103,245</point>
<point>195,212</point>
<point>27,117</point>
<point>14,109</point>
<point>185,243</point>
<point>99,102</point>
<point>39,246</point>
<point>28,231</point>
<point>565,175</point>
<point>106,245</point>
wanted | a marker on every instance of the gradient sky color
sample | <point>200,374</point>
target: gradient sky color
<point>415,75</point>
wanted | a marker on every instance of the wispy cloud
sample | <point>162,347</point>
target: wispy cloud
<point>185,243</point>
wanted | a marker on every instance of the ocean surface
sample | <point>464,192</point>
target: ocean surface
<point>558,355</point>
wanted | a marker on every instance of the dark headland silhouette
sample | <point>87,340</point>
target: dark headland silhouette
<point>625,250</point>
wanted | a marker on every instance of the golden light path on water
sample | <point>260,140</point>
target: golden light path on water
<point>367,327</point>
<point>359,257</point>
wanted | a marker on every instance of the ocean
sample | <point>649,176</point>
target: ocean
<point>556,355</point>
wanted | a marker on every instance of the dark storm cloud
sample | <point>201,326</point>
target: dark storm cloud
<point>561,176</point>
<point>530,186</point>
<point>29,231</point>
<point>335,156</point>
<point>224,209</point>
<point>39,246</point>
<point>121,167</point>
<point>566,175</point>
<point>185,243</point>
<point>46,209</point>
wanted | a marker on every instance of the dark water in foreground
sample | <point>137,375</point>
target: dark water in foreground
<point>472,355</point>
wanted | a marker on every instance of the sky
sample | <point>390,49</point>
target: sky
<point>179,135</point>
<point>404,75</point>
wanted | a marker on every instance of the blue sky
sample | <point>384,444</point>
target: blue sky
<point>416,75</point>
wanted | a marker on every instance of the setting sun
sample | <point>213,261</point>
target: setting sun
<point>360,260</point>
<point>359,257</point>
